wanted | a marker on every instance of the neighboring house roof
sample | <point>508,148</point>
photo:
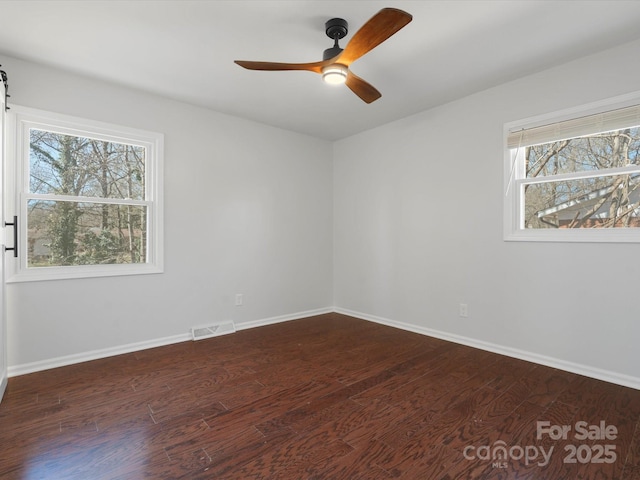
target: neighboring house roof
<point>568,210</point>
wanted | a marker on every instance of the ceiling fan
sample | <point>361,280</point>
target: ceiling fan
<point>334,66</point>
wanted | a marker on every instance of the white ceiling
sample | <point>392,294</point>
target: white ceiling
<point>185,50</point>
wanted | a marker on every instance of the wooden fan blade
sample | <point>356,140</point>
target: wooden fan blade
<point>364,90</point>
<point>379,27</point>
<point>275,66</point>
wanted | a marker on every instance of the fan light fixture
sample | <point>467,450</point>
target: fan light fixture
<point>334,74</point>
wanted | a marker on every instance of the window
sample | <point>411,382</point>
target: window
<point>87,196</point>
<point>575,175</point>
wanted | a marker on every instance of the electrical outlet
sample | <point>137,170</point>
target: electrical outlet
<point>464,310</point>
<point>239,299</point>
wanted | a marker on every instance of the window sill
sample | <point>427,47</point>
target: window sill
<point>629,235</point>
<point>75,272</point>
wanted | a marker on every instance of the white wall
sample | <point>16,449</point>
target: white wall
<point>248,209</point>
<point>418,208</point>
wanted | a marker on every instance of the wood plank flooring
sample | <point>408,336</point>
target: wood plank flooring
<point>328,397</point>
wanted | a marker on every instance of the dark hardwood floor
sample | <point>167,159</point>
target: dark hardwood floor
<point>328,397</point>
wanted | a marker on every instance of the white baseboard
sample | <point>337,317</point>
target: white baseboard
<point>587,371</point>
<point>23,369</point>
<point>283,318</point>
<point>32,367</point>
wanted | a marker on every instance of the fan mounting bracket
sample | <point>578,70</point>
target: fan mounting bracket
<point>336,28</point>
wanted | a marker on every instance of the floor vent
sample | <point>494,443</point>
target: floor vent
<point>217,329</point>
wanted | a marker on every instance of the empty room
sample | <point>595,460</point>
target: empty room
<point>260,239</point>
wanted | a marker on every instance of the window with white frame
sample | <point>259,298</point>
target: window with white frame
<point>87,195</point>
<point>575,175</point>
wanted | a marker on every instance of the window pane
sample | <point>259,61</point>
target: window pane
<point>68,165</point>
<point>598,202</point>
<point>614,149</point>
<point>71,233</point>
